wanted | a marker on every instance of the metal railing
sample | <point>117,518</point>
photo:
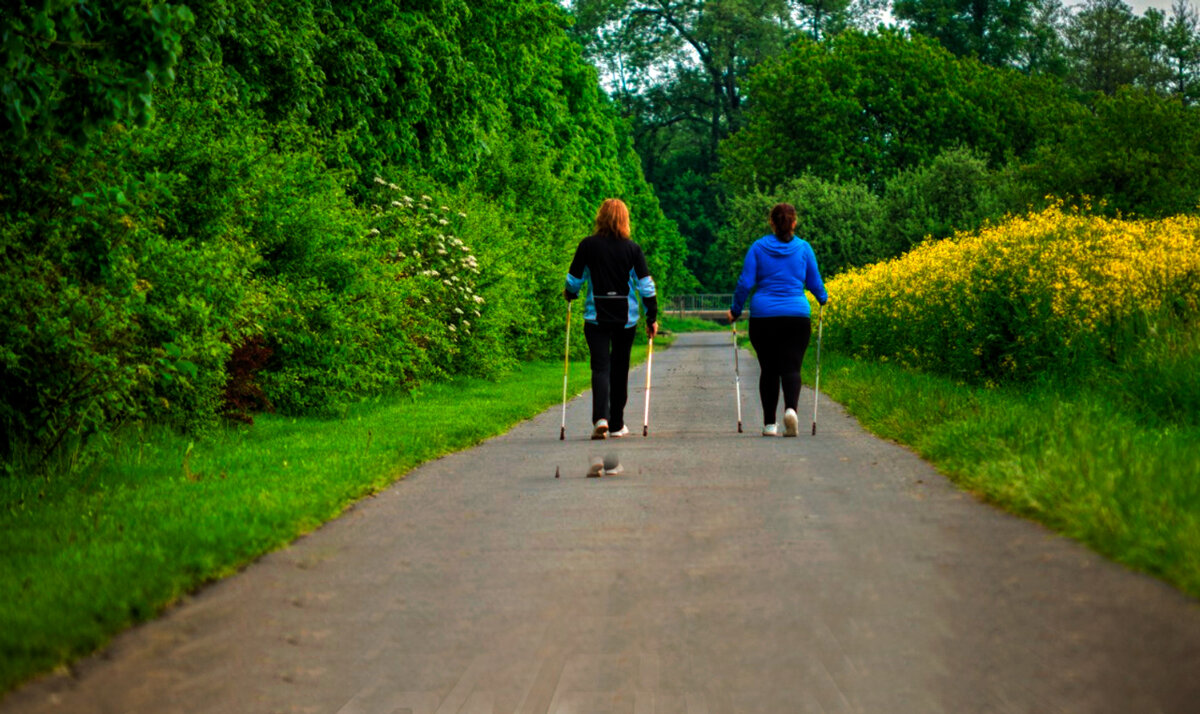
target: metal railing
<point>700,303</point>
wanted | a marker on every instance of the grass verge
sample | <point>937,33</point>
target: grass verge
<point>690,324</point>
<point>84,557</point>
<point>1078,458</point>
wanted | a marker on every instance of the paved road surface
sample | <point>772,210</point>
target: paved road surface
<point>720,573</point>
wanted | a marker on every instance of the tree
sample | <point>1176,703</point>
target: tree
<point>819,19</point>
<point>1135,150</point>
<point>1182,51</point>
<point>73,67</point>
<point>677,68</point>
<point>953,192</point>
<point>1103,47</point>
<point>701,48</point>
<point>995,31</point>
<point>864,106</point>
<point>141,262</point>
<point>1045,50</point>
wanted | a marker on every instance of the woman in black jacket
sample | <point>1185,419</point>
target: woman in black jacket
<point>614,268</point>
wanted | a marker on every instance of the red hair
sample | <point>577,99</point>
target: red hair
<point>613,219</point>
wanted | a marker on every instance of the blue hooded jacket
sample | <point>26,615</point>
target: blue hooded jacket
<point>778,272</point>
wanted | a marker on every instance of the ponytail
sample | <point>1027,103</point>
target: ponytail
<point>783,221</point>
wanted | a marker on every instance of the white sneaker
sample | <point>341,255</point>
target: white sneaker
<point>614,471</point>
<point>601,430</point>
<point>791,423</point>
<point>770,430</point>
<point>623,431</point>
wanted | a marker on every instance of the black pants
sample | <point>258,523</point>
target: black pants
<point>609,346</point>
<point>780,343</point>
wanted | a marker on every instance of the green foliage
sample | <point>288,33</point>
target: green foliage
<point>994,32</point>
<point>1103,47</point>
<point>1096,45</point>
<point>399,79</point>
<point>71,68</point>
<point>1136,151</point>
<point>704,47</point>
<point>862,107</point>
<point>247,218</point>
<point>1044,50</point>
<point>111,315</point>
<point>955,191</point>
<point>690,198</point>
<point>843,222</point>
<point>962,144</point>
<point>1181,51</point>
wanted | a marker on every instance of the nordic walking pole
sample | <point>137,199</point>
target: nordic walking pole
<point>817,380</point>
<point>649,364</point>
<point>562,433</point>
<point>737,376</point>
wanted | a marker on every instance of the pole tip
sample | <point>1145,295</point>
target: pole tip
<point>645,430</point>
<point>562,434</point>
<point>739,427</point>
<point>814,429</point>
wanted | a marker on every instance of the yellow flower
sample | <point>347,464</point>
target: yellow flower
<point>1048,280</point>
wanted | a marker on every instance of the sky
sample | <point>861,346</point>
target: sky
<point>1139,6</point>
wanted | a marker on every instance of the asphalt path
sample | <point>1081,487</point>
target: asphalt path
<point>721,572</point>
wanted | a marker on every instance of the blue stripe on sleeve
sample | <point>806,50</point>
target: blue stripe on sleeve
<point>574,283</point>
<point>646,287</point>
<point>589,305</point>
<point>634,313</point>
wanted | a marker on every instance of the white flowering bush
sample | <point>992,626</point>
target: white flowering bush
<point>435,270</point>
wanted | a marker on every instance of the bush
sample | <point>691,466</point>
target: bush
<point>842,221</point>
<point>110,314</point>
<point>219,260</point>
<point>1053,292</point>
<point>1135,151</point>
<point>954,192</point>
<point>864,106</point>
<point>1158,367</point>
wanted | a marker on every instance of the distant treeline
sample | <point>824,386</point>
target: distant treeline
<point>240,205</point>
<point>883,140</point>
<point>881,136</point>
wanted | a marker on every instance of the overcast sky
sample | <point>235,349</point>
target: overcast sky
<point>1139,6</point>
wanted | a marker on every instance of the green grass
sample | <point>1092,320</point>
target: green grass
<point>1088,461</point>
<point>85,556</point>
<point>690,324</point>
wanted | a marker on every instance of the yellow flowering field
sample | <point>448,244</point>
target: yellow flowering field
<point>1049,290</point>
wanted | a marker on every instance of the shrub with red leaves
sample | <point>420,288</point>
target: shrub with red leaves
<point>243,396</point>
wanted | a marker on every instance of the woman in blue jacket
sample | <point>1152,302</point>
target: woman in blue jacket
<point>778,268</point>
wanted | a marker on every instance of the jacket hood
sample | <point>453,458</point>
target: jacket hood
<point>774,246</point>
